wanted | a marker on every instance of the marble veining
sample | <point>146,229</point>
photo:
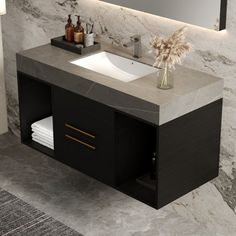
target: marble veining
<point>31,23</point>
<point>72,3</point>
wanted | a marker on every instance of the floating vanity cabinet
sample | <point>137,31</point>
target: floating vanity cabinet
<point>111,130</point>
<point>116,148</point>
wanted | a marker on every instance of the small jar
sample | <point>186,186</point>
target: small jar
<point>88,40</point>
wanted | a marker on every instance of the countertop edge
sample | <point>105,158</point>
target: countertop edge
<point>100,93</point>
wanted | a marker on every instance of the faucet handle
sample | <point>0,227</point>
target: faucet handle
<point>136,38</point>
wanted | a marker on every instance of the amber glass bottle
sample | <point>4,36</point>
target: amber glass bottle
<point>69,30</point>
<point>79,32</point>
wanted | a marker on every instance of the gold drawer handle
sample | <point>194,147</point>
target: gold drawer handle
<point>79,141</point>
<point>80,131</point>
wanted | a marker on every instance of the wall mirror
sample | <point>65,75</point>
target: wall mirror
<point>205,13</point>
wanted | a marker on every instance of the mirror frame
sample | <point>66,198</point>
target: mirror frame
<point>223,14</point>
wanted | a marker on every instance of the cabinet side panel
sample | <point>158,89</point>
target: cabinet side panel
<point>189,150</point>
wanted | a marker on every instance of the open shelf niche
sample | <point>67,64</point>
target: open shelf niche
<point>136,142</point>
<point>35,104</point>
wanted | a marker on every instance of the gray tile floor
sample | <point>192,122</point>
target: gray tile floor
<point>93,208</point>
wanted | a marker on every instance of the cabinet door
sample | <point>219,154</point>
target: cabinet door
<point>84,136</point>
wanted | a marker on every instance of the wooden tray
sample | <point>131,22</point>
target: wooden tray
<point>62,43</point>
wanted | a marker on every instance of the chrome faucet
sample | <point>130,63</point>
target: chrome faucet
<point>136,42</point>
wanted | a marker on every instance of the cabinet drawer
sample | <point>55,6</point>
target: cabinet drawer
<point>84,136</point>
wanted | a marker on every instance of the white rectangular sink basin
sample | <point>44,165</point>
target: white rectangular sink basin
<point>114,66</point>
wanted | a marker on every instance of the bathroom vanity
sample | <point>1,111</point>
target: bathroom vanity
<point>109,129</point>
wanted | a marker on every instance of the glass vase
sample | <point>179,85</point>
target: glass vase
<point>165,78</point>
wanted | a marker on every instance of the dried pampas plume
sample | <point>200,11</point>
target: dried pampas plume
<point>170,51</point>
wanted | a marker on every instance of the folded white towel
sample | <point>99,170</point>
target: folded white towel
<point>43,143</point>
<point>41,133</point>
<point>43,138</point>
<point>45,125</point>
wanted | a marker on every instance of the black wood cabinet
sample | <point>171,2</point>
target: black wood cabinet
<point>117,149</point>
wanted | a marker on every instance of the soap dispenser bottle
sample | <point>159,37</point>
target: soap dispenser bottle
<point>69,30</point>
<point>79,32</point>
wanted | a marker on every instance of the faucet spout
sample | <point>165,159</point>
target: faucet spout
<point>136,42</point>
<point>128,44</point>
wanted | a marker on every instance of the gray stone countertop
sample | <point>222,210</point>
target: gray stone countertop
<point>140,98</point>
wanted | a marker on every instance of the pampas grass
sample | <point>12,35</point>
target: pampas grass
<point>170,51</point>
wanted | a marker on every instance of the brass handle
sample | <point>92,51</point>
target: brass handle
<point>80,131</point>
<point>79,141</point>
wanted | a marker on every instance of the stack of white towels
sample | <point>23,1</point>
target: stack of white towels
<point>42,132</point>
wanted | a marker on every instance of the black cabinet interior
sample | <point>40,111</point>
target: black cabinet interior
<point>117,149</point>
<point>35,104</point>
<point>135,144</point>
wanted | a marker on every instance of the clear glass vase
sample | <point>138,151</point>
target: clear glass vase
<point>165,78</point>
